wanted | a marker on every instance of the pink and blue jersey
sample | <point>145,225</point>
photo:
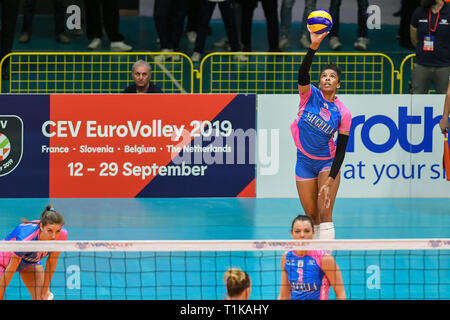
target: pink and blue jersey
<point>306,277</point>
<point>318,120</point>
<point>26,232</point>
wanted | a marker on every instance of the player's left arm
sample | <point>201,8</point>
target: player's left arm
<point>50,268</point>
<point>341,146</point>
<point>334,276</point>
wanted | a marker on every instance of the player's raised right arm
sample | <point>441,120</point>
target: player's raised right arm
<point>303,72</point>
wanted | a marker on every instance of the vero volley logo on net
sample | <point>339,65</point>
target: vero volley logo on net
<point>398,130</point>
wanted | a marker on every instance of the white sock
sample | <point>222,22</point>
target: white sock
<point>316,232</point>
<point>326,231</point>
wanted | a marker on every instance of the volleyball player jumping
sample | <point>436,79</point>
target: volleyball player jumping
<point>321,114</point>
<point>49,227</point>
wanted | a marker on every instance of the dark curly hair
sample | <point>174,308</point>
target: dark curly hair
<point>334,67</point>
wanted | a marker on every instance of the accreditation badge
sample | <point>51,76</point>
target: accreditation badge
<point>428,43</point>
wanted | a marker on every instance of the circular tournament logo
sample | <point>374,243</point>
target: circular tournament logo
<point>5,147</point>
<point>11,143</point>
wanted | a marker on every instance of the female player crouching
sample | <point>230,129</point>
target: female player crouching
<point>35,278</point>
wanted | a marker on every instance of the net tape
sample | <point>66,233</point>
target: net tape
<point>226,245</point>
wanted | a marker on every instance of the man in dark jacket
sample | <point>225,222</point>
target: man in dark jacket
<point>142,73</point>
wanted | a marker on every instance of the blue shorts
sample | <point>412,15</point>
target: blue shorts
<point>307,168</point>
<point>4,261</point>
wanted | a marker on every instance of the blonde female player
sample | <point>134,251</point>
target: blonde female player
<point>49,227</point>
<point>307,275</point>
<point>238,284</point>
<point>321,114</point>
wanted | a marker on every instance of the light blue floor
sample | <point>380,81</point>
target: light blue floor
<point>407,275</point>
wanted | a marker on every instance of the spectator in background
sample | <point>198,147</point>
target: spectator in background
<point>142,73</point>
<point>237,9</point>
<point>227,13</point>
<point>430,34</point>
<point>106,11</point>
<point>169,18</point>
<point>270,12</point>
<point>29,10</point>
<point>406,10</point>
<point>193,16</point>
<point>9,12</point>
<point>363,41</point>
<point>286,22</point>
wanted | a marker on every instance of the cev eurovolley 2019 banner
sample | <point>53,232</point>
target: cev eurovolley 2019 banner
<point>395,147</point>
<point>67,146</point>
<point>208,146</point>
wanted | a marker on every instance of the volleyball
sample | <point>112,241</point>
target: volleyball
<point>5,147</point>
<point>319,21</point>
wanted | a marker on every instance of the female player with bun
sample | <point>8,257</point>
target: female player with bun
<point>321,115</point>
<point>308,275</point>
<point>35,278</point>
<point>238,284</point>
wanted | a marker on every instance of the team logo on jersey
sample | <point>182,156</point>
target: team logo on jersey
<point>311,263</point>
<point>300,264</point>
<point>332,107</point>
<point>11,143</point>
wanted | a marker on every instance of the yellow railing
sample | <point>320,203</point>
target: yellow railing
<point>220,72</point>
<point>406,68</point>
<point>362,73</point>
<point>407,62</point>
<point>94,72</point>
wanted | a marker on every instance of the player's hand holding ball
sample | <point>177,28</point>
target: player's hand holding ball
<point>319,24</point>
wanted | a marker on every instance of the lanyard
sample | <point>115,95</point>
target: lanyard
<point>429,21</point>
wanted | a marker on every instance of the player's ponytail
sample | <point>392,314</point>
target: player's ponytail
<point>236,281</point>
<point>48,216</point>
